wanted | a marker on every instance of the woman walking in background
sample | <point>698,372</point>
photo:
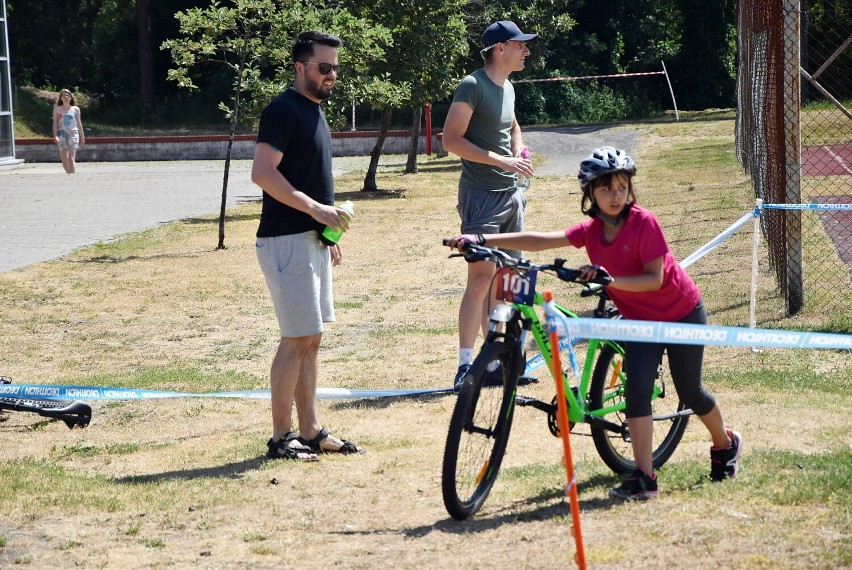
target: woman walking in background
<point>67,129</point>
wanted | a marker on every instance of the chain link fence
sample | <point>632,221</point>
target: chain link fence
<point>794,138</point>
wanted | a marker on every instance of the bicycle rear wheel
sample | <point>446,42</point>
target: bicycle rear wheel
<point>607,390</point>
<point>478,433</point>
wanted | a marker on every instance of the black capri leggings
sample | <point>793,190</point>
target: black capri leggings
<point>641,360</point>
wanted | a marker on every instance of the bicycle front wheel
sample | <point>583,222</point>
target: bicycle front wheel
<point>478,433</point>
<point>607,389</point>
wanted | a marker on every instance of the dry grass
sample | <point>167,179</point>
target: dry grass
<point>183,482</point>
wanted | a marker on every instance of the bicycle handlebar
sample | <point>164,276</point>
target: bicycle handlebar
<point>484,253</point>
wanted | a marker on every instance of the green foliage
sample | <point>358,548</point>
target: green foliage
<point>32,115</point>
<point>396,53</point>
<point>588,102</point>
<point>252,40</point>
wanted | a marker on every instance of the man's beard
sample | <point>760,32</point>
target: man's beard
<point>319,91</point>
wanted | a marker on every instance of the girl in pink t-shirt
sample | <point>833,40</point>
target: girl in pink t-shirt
<point>648,284</point>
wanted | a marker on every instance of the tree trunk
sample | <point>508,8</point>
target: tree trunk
<point>146,55</point>
<point>370,178</point>
<point>411,164</point>
<point>238,84</point>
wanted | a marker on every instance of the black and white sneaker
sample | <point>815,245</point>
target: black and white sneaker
<point>726,462</point>
<point>460,377</point>
<point>638,487</point>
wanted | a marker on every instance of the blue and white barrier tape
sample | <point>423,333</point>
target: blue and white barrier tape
<point>605,329</point>
<point>808,206</point>
<point>537,361</point>
<point>60,392</point>
<point>677,333</point>
<point>715,242</point>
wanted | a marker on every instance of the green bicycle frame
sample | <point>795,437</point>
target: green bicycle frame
<point>577,410</point>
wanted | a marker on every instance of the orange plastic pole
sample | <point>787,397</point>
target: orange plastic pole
<point>564,430</point>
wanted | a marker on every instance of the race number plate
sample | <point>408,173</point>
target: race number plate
<point>513,287</point>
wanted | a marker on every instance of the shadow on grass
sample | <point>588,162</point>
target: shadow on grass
<point>538,508</point>
<point>215,220</point>
<point>361,195</point>
<point>382,403</point>
<point>228,471</point>
<point>104,259</point>
<point>440,167</point>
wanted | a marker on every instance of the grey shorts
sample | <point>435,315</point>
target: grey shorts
<point>297,269</point>
<point>484,212</point>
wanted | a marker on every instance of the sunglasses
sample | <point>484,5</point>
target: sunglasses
<point>325,68</point>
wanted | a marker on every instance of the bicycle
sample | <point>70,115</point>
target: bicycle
<point>72,412</point>
<point>482,418</point>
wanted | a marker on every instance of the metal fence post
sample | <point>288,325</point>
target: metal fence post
<point>792,107</point>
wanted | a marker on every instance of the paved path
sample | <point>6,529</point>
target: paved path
<point>45,213</point>
<point>567,146</point>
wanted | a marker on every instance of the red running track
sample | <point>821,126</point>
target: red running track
<point>826,160</point>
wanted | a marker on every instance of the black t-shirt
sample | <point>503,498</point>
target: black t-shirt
<point>296,126</point>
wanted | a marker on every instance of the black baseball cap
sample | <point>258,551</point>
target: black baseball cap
<point>504,31</point>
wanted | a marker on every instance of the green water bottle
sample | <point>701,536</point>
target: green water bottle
<point>330,236</point>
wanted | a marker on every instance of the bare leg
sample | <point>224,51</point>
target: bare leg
<point>473,314</point>
<point>71,165</point>
<point>293,358</point>
<point>294,379</point>
<point>306,392</point>
<point>63,157</point>
<point>642,440</point>
<point>715,424</point>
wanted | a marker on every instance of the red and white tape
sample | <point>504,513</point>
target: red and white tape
<point>579,77</point>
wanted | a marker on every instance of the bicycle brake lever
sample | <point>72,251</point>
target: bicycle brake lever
<point>566,274</point>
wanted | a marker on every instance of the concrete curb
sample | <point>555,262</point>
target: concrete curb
<point>206,147</point>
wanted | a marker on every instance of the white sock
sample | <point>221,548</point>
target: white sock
<point>465,356</point>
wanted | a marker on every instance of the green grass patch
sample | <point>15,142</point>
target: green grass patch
<point>175,380</point>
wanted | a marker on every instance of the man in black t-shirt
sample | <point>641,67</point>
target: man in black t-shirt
<point>292,164</point>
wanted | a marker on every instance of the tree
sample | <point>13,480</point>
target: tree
<point>146,54</point>
<point>705,70</point>
<point>433,42</point>
<point>428,39</point>
<point>232,37</point>
<point>252,39</point>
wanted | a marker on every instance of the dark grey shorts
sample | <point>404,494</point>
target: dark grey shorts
<point>484,212</point>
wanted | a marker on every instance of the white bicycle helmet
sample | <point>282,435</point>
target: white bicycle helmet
<point>604,160</point>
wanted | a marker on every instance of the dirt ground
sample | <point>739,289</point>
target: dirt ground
<point>183,482</point>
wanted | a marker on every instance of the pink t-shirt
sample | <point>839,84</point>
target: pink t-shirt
<point>639,242</point>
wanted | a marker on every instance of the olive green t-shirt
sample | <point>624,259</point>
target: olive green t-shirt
<point>489,128</point>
